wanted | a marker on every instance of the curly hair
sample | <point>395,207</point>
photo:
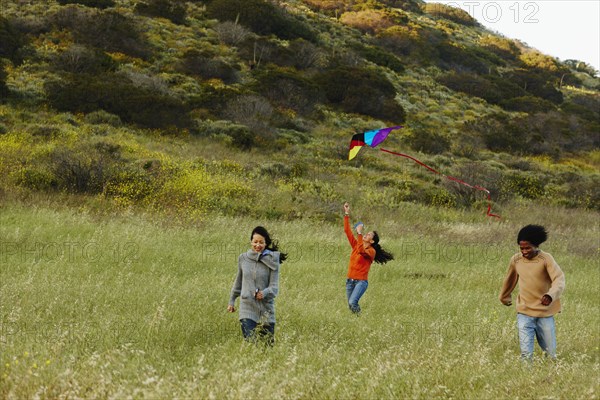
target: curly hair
<point>534,234</point>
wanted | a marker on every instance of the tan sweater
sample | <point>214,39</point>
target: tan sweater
<point>536,277</point>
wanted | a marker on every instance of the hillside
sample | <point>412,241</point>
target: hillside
<point>247,107</point>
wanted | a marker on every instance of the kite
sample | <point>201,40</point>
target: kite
<point>375,137</point>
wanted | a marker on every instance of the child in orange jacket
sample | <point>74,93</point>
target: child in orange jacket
<point>365,250</point>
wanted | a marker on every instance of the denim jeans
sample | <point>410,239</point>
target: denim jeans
<point>354,290</point>
<point>541,328</point>
<point>252,330</point>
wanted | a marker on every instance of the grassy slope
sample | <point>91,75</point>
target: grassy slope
<point>132,305</point>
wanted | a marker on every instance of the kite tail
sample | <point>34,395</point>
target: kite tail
<point>476,187</point>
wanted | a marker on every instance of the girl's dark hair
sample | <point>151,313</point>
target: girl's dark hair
<point>534,234</point>
<point>272,245</point>
<point>381,256</point>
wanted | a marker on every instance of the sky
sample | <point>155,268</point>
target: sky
<point>565,29</point>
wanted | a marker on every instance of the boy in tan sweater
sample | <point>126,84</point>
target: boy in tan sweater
<point>541,282</point>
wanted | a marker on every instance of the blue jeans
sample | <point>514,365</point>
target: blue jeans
<point>541,328</point>
<point>251,329</point>
<point>354,290</point>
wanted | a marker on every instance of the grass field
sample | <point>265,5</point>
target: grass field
<point>132,306</point>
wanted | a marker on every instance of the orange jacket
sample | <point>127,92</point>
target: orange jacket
<point>361,258</point>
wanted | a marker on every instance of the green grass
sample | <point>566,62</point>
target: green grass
<point>133,306</point>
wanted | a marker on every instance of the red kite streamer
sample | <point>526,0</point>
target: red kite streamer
<point>362,139</point>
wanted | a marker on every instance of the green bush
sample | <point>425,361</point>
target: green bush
<point>237,135</point>
<point>368,21</point>
<point>89,3</point>
<point>505,87</point>
<point>172,10</point>
<point>207,66</point>
<point>130,185</point>
<point>288,89</point>
<point>108,30</point>
<point>473,85</point>
<point>538,84</point>
<point>82,59</point>
<point>116,95</point>
<point>503,48</point>
<point>36,177</point>
<point>451,56</point>
<point>525,184</point>
<point>11,40</point>
<point>370,93</point>
<point>103,117</point>
<point>3,75</point>
<point>427,141</point>
<point>262,17</point>
<point>407,5</point>
<point>381,57</point>
<point>451,13</point>
<point>528,104</point>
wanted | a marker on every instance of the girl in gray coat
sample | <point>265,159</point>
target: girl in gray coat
<point>257,283</point>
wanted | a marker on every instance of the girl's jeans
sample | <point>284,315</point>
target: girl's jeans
<point>251,329</point>
<point>354,290</point>
<point>541,328</point>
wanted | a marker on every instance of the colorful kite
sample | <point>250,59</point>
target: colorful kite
<point>370,138</point>
<point>375,137</point>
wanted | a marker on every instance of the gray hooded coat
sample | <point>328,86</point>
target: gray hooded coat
<point>257,271</point>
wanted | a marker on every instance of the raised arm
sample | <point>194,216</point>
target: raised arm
<point>347,228</point>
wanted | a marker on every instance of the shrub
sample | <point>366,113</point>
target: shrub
<point>253,111</point>
<point>407,5</point>
<point>108,30</point>
<point>169,9</point>
<point>197,190</point>
<point>473,85</point>
<point>485,174</point>
<point>369,21</point>
<point>81,59</point>
<point>36,177</point>
<point>581,66</point>
<point>262,17</point>
<point>117,95</point>
<point>504,48</point>
<point>305,54</point>
<point>329,7</point>
<point>402,40</point>
<point>500,133</point>
<point>451,13</point>
<point>537,84</point>
<point>102,117</point>
<point>232,33</point>
<point>76,171</point>
<point>427,141</point>
<point>528,104</point>
<point>381,57</point>
<point>11,40</point>
<point>539,61</point>
<point>287,89</point>
<point>3,88</point>
<point>524,184</point>
<point>454,57</point>
<point>506,88</point>
<point>239,135</point>
<point>89,3</point>
<point>371,93</point>
<point>129,185</point>
<point>207,66</point>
